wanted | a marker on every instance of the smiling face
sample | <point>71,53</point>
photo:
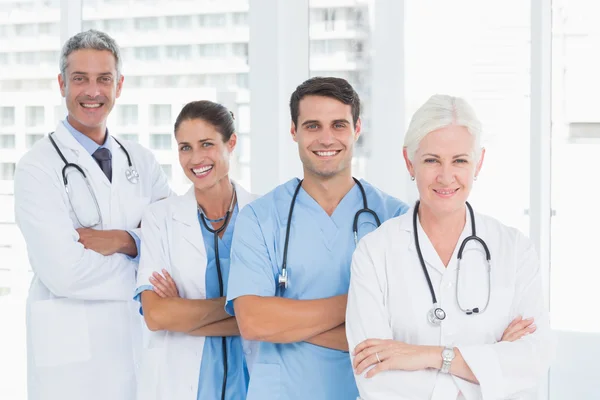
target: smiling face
<point>325,135</point>
<point>90,87</point>
<point>203,155</point>
<point>444,167</point>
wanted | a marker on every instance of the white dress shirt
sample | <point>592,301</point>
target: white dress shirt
<point>389,299</point>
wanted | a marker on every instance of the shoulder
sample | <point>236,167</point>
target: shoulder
<point>38,154</point>
<point>493,228</point>
<point>271,202</point>
<point>386,205</point>
<point>165,207</point>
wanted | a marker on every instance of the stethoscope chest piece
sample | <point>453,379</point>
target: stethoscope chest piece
<point>132,175</point>
<point>436,315</point>
<point>283,279</point>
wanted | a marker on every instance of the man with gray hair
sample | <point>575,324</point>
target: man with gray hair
<point>79,197</point>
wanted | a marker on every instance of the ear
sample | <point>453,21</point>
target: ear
<point>120,85</point>
<point>357,129</point>
<point>480,162</point>
<point>62,85</point>
<point>232,142</point>
<point>293,132</point>
<point>409,164</point>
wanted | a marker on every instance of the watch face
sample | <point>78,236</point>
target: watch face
<point>448,354</point>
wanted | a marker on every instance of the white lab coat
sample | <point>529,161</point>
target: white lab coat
<point>173,240</point>
<point>389,299</point>
<point>83,327</point>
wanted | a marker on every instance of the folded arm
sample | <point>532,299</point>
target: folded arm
<point>56,255</point>
<point>227,327</point>
<point>281,320</point>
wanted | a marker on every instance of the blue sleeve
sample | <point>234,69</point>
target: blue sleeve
<point>138,244</point>
<point>402,209</point>
<point>137,296</point>
<point>251,271</point>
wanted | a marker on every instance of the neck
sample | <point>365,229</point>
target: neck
<point>216,200</point>
<point>446,225</point>
<point>328,192</point>
<point>97,133</point>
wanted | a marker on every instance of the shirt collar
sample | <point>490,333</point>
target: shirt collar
<point>88,144</point>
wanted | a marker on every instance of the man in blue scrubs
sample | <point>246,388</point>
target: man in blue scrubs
<point>303,352</point>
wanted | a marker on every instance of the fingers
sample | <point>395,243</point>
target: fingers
<point>380,367</point>
<point>369,358</point>
<point>158,291</point>
<point>518,328</point>
<point>366,343</point>
<point>170,280</point>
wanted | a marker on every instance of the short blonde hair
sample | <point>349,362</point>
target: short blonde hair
<point>438,112</point>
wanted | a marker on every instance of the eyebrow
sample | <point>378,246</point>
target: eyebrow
<point>86,74</point>
<point>335,121</point>
<point>199,141</point>
<point>436,156</point>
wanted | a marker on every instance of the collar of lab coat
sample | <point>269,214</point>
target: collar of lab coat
<point>430,255</point>
<point>186,213</point>
<point>84,159</point>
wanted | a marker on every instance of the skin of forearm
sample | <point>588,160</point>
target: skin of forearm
<point>227,327</point>
<point>458,367</point>
<point>126,243</point>
<point>281,320</point>
<point>333,339</point>
<point>181,315</point>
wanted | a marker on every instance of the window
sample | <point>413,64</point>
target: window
<point>34,116</point>
<point>30,139</point>
<point>240,50</point>
<point>211,20</point>
<point>26,58</point>
<point>240,19</point>
<point>168,170</point>
<point>7,141</point>
<point>160,141</point>
<point>147,53</point>
<point>179,52</point>
<point>243,81</point>
<point>212,50</point>
<point>160,114</point>
<point>25,29</point>
<point>7,171</point>
<point>146,24</point>
<point>7,116</point>
<point>49,29</point>
<point>115,25</point>
<point>127,115</point>
<point>179,22</point>
<point>4,57</point>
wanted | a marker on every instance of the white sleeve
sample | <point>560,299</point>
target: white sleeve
<point>506,369</point>
<point>154,255</point>
<point>63,265</point>
<point>367,316</point>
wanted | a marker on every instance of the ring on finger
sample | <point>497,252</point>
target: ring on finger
<point>377,355</point>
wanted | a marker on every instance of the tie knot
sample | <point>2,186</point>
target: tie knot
<point>102,154</point>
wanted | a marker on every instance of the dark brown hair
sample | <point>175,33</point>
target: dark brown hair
<point>214,113</point>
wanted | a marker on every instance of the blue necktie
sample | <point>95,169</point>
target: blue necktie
<point>104,160</point>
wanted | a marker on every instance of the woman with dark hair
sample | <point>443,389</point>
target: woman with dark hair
<point>195,350</point>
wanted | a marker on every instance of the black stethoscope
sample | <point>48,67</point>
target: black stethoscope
<point>130,173</point>
<point>215,233</point>
<point>436,315</point>
<point>283,276</point>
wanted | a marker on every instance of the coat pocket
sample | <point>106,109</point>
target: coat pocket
<point>59,332</point>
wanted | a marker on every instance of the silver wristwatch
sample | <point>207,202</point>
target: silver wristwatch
<point>447,357</point>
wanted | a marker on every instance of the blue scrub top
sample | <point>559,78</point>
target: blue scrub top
<point>319,257</point>
<point>211,371</point>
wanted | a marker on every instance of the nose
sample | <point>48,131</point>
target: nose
<point>92,89</point>
<point>446,175</point>
<point>326,137</point>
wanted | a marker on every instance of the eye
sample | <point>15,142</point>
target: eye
<point>185,147</point>
<point>461,161</point>
<point>207,144</point>
<point>106,79</point>
<point>312,126</point>
<point>431,160</point>
<point>340,125</point>
<point>77,78</point>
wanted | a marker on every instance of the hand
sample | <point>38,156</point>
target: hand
<point>393,355</point>
<point>106,243</point>
<point>518,328</point>
<point>164,286</point>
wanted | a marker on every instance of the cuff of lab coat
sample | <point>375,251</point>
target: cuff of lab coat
<point>138,244</point>
<point>484,363</point>
<point>137,296</point>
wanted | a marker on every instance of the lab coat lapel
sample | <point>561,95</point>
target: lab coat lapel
<point>75,153</point>
<point>187,225</point>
